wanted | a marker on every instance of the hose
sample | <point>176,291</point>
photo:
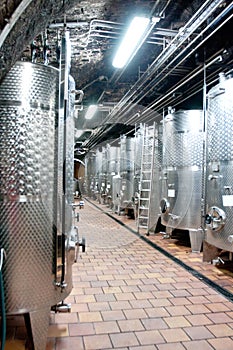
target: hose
<point>3,328</point>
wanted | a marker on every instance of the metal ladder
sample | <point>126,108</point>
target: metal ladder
<point>146,177</point>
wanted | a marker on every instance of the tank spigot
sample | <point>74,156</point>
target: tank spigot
<point>218,261</point>
<point>213,177</point>
<point>61,307</point>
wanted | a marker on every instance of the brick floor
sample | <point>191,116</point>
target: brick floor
<point>128,295</point>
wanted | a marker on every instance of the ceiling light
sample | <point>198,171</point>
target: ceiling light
<point>91,111</point>
<point>131,41</point>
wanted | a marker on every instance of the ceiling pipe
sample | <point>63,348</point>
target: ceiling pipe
<point>156,5</point>
<point>153,67</point>
<point>211,79</point>
<point>199,17</point>
<point>159,100</point>
<point>68,25</point>
<point>138,87</point>
<point>176,96</point>
<point>149,115</point>
<point>96,136</point>
<point>164,75</point>
<point>100,29</point>
<point>185,81</point>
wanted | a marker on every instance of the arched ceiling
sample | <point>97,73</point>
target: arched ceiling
<point>192,37</point>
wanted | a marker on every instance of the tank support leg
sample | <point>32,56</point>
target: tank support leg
<point>37,324</point>
<point>196,240</point>
<point>168,232</point>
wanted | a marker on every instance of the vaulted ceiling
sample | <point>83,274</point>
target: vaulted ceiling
<point>184,52</point>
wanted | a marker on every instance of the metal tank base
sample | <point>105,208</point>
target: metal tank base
<point>37,324</point>
<point>196,240</point>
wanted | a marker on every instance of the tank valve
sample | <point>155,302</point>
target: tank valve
<point>61,307</point>
<point>214,177</point>
<point>165,235</point>
<point>164,206</point>
<point>215,219</point>
<point>218,261</point>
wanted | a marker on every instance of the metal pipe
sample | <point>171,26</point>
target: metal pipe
<point>206,10</point>
<point>161,11</point>
<point>152,83</point>
<point>218,58</point>
<point>63,105</point>
<point>195,89</point>
<point>14,18</point>
<point>194,49</point>
<point>101,32</point>
<point>177,100</point>
<point>160,41</point>
<point>147,113</point>
<point>126,98</point>
<point>171,48</point>
<point>68,24</point>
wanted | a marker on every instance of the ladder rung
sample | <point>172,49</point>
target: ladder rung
<point>143,208</point>
<point>145,190</point>
<point>143,217</point>
<point>142,226</point>
<point>144,199</point>
<point>146,181</point>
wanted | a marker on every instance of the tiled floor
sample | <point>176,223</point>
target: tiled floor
<point>128,295</point>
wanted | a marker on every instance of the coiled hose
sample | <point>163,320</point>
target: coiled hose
<point>3,309</point>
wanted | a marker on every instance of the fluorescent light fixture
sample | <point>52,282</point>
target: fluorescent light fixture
<point>91,111</point>
<point>131,41</point>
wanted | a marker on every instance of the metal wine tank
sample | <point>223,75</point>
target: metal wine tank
<point>127,160</point>
<point>103,176</point>
<point>99,175</point>
<point>116,190</point>
<point>219,189</point>
<point>113,167</point>
<point>182,174</point>
<point>90,171</point>
<point>30,131</point>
